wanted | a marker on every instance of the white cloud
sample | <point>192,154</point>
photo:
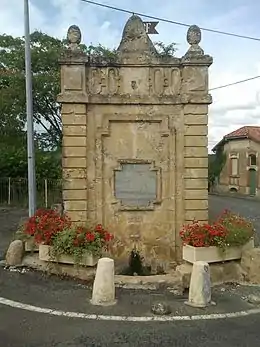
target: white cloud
<point>234,59</point>
<point>12,17</point>
<point>235,106</point>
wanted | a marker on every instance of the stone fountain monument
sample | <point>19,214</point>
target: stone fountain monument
<point>135,141</point>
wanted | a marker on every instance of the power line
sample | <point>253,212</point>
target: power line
<point>182,24</point>
<point>234,83</point>
<point>168,20</point>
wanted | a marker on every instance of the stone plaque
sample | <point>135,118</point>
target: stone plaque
<point>136,185</point>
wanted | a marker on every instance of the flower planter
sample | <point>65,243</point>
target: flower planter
<point>31,246</point>
<point>214,254</point>
<point>45,254</point>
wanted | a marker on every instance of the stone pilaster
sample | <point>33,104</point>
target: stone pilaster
<point>195,89</point>
<point>74,119</point>
<point>74,161</point>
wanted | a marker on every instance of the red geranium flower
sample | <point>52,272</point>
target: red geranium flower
<point>107,236</point>
<point>99,227</point>
<point>229,229</point>
<point>45,224</point>
<point>90,237</point>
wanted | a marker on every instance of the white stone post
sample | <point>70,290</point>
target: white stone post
<point>200,285</point>
<point>103,293</point>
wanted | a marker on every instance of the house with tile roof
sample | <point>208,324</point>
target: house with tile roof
<point>241,170</point>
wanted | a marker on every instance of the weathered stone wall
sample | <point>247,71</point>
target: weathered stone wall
<point>74,162</point>
<point>242,148</point>
<point>140,109</point>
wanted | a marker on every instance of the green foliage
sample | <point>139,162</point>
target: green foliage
<point>216,164</point>
<point>165,51</point>
<point>64,245</point>
<point>45,53</point>
<point>100,54</point>
<point>239,230</point>
<point>45,69</point>
<point>48,165</point>
<point>13,163</point>
<point>79,240</point>
<point>229,230</point>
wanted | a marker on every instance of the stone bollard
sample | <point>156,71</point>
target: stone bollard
<point>14,254</point>
<point>200,285</point>
<point>103,293</point>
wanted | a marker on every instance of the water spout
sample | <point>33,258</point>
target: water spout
<point>135,263</point>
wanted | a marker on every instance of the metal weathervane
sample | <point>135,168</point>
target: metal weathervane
<point>150,28</point>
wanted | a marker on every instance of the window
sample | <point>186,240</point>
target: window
<point>252,159</point>
<point>234,166</point>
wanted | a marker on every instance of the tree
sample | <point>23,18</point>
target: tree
<point>216,164</point>
<point>13,162</point>
<point>165,51</point>
<point>45,52</point>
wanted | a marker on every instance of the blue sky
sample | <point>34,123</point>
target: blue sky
<point>234,58</point>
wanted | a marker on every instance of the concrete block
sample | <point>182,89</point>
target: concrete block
<point>250,263</point>
<point>81,272</point>
<point>225,272</point>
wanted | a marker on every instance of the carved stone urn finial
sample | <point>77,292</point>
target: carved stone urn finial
<point>194,35</point>
<point>194,38</point>
<point>74,36</point>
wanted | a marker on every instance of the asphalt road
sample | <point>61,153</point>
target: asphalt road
<point>249,208</point>
<point>19,328</point>
<point>26,329</point>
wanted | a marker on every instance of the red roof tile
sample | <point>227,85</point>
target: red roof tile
<point>250,132</point>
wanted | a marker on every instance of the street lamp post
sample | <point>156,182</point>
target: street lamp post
<point>29,111</point>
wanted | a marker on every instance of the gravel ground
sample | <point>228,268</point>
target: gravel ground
<point>9,221</point>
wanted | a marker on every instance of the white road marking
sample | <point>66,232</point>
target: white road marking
<point>52,312</point>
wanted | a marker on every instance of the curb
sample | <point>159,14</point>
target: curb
<point>216,316</point>
<point>251,198</point>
